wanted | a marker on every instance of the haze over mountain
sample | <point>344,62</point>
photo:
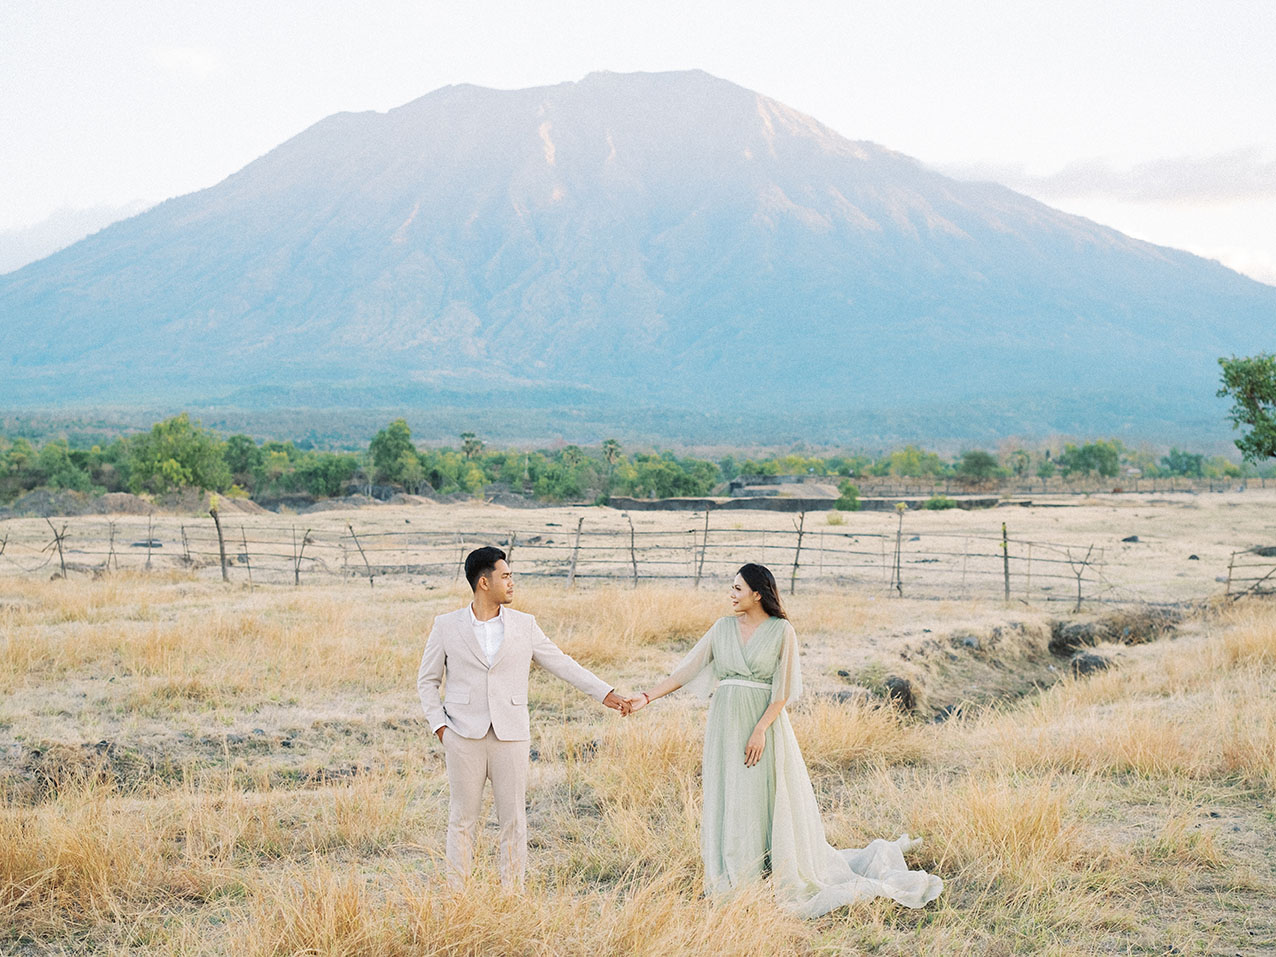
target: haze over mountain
<point>60,229</point>
<point>656,240</point>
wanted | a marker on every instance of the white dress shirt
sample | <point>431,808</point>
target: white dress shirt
<point>490,633</point>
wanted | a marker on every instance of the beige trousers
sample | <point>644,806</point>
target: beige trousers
<point>472,762</point>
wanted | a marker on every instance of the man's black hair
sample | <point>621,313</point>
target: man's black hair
<point>481,561</point>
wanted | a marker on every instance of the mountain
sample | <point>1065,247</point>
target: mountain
<point>60,229</point>
<point>630,240</point>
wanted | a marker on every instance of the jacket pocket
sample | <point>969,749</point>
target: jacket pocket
<point>457,697</point>
<point>518,699</point>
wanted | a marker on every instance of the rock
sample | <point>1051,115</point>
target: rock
<point>1067,636</point>
<point>1087,663</point>
<point>966,641</point>
<point>900,691</point>
<point>843,673</point>
<point>1130,538</point>
<point>1193,558</point>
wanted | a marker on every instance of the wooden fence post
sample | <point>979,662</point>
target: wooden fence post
<point>571,572</point>
<point>1005,559</point>
<point>186,549</point>
<point>150,539</point>
<point>509,552</point>
<point>1231,562</point>
<point>367,567</point>
<point>57,541</point>
<point>633,548</point>
<point>110,549</point>
<point>298,554</point>
<point>704,547</point>
<point>221,542</point>
<point>797,553</point>
<point>248,562</point>
<point>1079,571</point>
<point>898,577</point>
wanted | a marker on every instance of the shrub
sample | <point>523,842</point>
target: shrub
<point>849,498</point>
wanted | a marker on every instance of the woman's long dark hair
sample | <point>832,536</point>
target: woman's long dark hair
<point>760,580</point>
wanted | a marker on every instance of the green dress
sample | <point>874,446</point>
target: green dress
<point>765,818</point>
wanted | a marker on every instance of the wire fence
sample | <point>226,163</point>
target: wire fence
<point>903,561</point>
<point>1251,572</point>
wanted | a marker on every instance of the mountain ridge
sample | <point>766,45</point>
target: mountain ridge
<point>655,238</point>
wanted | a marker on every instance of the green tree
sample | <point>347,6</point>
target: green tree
<point>912,462</point>
<point>1102,458</point>
<point>471,445</point>
<point>976,467</point>
<point>1046,470</point>
<point>387,449</point>
<point>55,468</point>
<point>1019,460</point>
<point>327,474</point>
<point>611,455</point>
<point>245,459</point>
<point>1184,463</point>
<point>177,453</point>
<point>1251,385</point>
<point>848,497</point>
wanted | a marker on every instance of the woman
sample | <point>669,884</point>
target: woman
<point>759,812</point>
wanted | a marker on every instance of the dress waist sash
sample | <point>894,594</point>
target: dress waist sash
<point>746,682</point>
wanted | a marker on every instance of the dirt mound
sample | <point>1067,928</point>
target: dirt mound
<point>404,499</point>
<point>340,504</point>
<point>194,502</point>
<point>43,503</point>
<point>124,503</point>
<point>511,500</point>
<point>1134,626</point>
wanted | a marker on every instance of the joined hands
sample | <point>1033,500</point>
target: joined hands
<point>626,706</point>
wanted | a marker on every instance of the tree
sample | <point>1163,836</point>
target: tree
<point>57,470</point>
<point>1045,470</point>
<point>848,497</point>
<point>611,454</point>
<point>976,467</point>
<point>326,474</point>
<point>1103,457</point>
<point>471,445</point>
<point>1184,463</point>
<point>1019,461</point>
<point>1251,385</point>
<point>387,449</point>
<point>177,453</point>
<point>245,460</point>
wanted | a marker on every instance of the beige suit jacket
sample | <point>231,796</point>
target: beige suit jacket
<point>480,696</point>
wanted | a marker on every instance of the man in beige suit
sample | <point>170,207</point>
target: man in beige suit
<point>486,650</point>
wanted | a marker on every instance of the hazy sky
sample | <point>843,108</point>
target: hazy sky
<point>1157,117</point>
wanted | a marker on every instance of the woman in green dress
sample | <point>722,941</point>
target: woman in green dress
<point>760,813</point>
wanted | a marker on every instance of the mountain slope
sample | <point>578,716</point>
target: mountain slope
<point>665,239</point>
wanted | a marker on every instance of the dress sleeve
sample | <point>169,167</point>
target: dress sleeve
<point>696,660</point>
<point>786,683</point>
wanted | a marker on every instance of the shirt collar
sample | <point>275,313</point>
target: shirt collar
<point>500,616</point>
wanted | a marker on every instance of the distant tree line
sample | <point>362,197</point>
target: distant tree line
<point>178,453</point>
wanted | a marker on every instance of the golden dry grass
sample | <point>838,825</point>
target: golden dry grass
<point>225,771</point>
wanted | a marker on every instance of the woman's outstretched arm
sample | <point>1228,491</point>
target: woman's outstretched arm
<point>690,666</point>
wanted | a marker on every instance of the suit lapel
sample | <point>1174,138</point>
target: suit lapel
<point>468,638</point>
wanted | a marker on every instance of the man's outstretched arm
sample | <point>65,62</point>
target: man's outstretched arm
<point>562,665</point>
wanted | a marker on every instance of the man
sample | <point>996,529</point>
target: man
<point>486,650</point>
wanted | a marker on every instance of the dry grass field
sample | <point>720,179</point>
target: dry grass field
<point>193,768</point>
